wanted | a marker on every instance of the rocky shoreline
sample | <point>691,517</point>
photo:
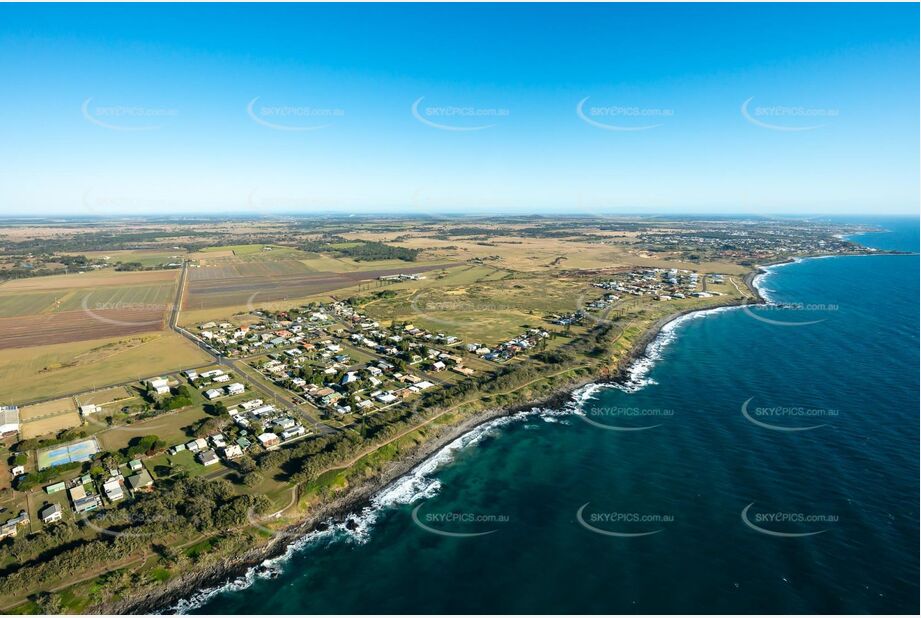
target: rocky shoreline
<point>359,496</point>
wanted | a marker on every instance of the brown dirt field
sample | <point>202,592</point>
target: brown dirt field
<point>68,326</point>
<point>49,425</point>
<point>46,409</point>
<point>207,256</point>
<point>207,293</point>
<point>107,395</point>
<point>90,280</point>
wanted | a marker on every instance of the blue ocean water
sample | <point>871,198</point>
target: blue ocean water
<point>778,472</point>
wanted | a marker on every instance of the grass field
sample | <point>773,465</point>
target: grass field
<point>59,369</point>
<point>145,257</point>
<point>237,249</point>
<point>478,303</point>
<point>169,427</point>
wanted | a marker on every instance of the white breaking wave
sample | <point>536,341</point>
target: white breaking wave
<point>420,483</point>
<point>638,371</point>
<point>416,485</point>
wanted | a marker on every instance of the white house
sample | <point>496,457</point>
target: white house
<point>51,513</point>
<point>233,451</point>
<point>90,408</point>
<point>113,489</point>
<point>213,393</point>
<point>235,389</point>
<point>268,439</point>
<point>159,385</point>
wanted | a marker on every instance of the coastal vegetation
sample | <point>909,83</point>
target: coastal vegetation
<point>543,306</point>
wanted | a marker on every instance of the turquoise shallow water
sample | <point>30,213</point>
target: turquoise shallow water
<point>851,369</point>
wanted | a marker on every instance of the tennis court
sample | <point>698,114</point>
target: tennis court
<point>60,455</point>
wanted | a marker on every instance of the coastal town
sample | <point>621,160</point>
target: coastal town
<point>280,404</point>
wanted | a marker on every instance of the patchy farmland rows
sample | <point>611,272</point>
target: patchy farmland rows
<point>207,291</point>
<point>69,326</point>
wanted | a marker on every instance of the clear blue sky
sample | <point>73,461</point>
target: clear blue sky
<point>150,108</point>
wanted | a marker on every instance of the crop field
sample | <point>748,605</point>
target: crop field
<point>29,303</point>
<point>237,249</point>
<point>79,307</point>
<point>96,279</point>
<point>61,368</point>
<point>32,303</point>
<point>211,287</point>
<point>70,326</point>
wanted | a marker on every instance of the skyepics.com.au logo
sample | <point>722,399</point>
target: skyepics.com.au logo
<point>622,117</point>
<point>126,117</point>
<point>787,117</point>
<point>118,524</point>
<point>296,118</point>
<point>777,418</point>
<point>444,310</point>
<point>125,313</point>
<point>766,312</point>
<point>625,418</point>
<point>787,524</point>
<point>622,524</point>
<point>457,117</point>
<point>458,524</point>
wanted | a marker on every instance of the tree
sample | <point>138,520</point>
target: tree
<point>48,602</point>
<point>252,479</point>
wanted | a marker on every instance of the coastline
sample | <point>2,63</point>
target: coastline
<point>212,578</point>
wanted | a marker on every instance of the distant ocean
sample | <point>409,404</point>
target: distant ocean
<point>772,467</point>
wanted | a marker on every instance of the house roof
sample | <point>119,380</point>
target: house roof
<point>51,509</point>
<point>139,480</point>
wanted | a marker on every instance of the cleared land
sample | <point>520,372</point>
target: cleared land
<point>90,280</point>
<point>235,284</point>
<point>104,396</point>
<point>70,326</point>
<point>63,368</point>
<point>80,307</point>
<point>48,417</point>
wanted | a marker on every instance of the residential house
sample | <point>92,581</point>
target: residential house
<point>141,481</point>
<point>159,385</point>
<point>207,457</point>
<point>233,451</point>
<point>51,513</point>
<point>268,440</point>
<point>113,489</point>
<point>90,408</point>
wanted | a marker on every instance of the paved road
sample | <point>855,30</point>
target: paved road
<point>256,380</point>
